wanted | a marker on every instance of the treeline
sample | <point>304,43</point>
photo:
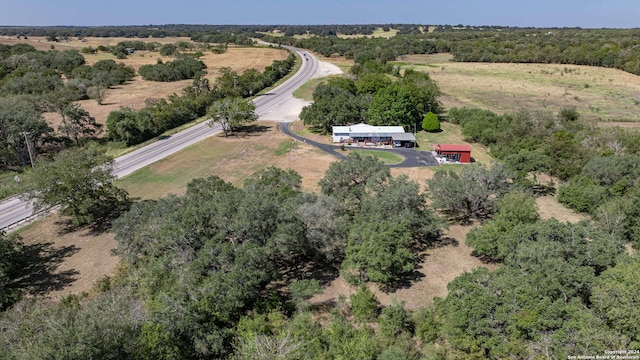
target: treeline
<point>362,49</point>
<point>378,95</point>
<point>598,166</point>
<point>226,32</point>
<point>31,83</point>
<point>611,48</point>
<point>133,127</point>
<point>179,69</point>
<point>614,48</point>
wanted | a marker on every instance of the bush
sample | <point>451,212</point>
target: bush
<point>394,320</point>
<point>431,122</point>
<point>426,326</point>
<point>582,194</point>
<point>364,305</point>
<point>181,69</point>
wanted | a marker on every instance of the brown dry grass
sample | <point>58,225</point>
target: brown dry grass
<point>134,93</point>
<point>597,93</point>
<point>41,43</point>
<point>72,261</point>
<point>441,264</point>
<point>233,159</point>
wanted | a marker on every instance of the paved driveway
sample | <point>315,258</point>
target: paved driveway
<point>412,157</point>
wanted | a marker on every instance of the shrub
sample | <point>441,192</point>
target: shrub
<point>431,122</point>
<point>364,305</point>
<point>394,320</point>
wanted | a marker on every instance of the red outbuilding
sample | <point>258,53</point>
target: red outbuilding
<point>453,152</point>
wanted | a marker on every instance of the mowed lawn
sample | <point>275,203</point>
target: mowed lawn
<point>232,158</point>
<point>606,95</point>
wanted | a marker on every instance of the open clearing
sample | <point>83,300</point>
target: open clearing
<point>597,93</point>
<point>134,93</point>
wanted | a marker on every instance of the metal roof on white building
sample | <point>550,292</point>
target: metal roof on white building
<point>368,129</point>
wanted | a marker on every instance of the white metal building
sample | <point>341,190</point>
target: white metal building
<point>368,133</point>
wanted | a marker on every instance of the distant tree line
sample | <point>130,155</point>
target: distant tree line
<point>615,48</point>
<point>31,83</point>
<point>133,127</point>
<point>179,69</point>
<point>611,48</point>
<point>242,32</point>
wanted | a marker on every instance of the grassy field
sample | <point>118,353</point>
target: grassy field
<point>604,95</point>
<point>386,157</point>
<point>379,32</point>
<point>233,158</point>
<point>134,93</point>
<point>305,92</point>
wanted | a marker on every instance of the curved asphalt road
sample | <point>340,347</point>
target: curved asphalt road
<point>412,157</point>
<point>14,210</point>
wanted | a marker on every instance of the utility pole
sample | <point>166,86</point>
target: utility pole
<point>29,148</point>
<point>235,78</point>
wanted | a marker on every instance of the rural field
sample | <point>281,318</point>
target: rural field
<point>604,95</point>
<point>82,257</point>
<point>134,93</point>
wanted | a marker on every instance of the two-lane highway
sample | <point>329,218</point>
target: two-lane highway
<point>14,211</point>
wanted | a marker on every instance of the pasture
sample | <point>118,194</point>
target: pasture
<point>599,94</point>
<point>134,93</point>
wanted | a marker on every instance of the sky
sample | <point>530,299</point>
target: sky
<point>536,13</point>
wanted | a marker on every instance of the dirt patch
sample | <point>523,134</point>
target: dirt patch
<point>441,264</point>
<point>621,124</point>
<point>549,207</point>
<point>63,263</point>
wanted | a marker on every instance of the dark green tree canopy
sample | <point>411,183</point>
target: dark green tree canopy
<point>80,183</point>
<point>335,103</point>
<point>471,193</point>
